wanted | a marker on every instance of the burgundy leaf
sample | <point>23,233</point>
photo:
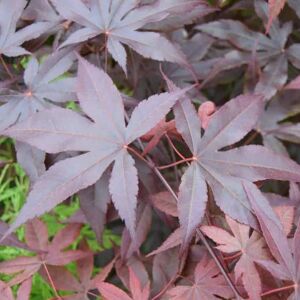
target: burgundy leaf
<point>206,284</point>
<point>271,227</point>
<point>192,200</point>
<point>123,187</point>
<point>119,23</point>
<point>54,131</point>
<point>111,292</point>
<point>11,41</point>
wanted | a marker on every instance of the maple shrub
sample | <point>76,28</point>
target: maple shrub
<point>166,132</point>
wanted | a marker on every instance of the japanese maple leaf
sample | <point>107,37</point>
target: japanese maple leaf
<point>207,284</point>
<point>104,138</point>
<point>41,88</point>
<point>41,91</point>
<point>223,170</point>
<point>286,253</point>
<point>10,40</point>
<point>120,20</point>
<point>47,253</point>
<point>63,279</point>
<point>111,292</point>
<point>272,52</point>
<point>23,291</point>
<point>250,247</point>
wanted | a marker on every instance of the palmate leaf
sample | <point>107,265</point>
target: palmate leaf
<point>120,21</point>
<point>40,92</point>
<point>251,248</point>
<point>223,170</point>
<point>104,139</point>
<point>50,253</point>
<point>207,284</point>
<point>268,49</point>
<point>11,41</point>
<point>64,280</point>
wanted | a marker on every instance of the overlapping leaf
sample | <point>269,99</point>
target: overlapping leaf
<point>10,39</point>
<point>23,291</point>
<point>223,170</point>
<point>47,253</point>
<point>40,91</point>
<point>104,139</point>
<point>63,280</point>
<point>120,22</point>
<point>208,284</point>
<point>287,265</point>
<point>251,247</point>
<point>272,53</point>
<point>109,291</point>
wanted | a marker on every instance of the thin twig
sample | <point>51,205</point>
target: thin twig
<point>176,163</point>
<point>284,288</point>
<point>173,146</point>
<point>173,157</point>
<point>51,282</point>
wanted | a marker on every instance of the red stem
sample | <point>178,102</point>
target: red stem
<point>175,163</point>
<point>51,282</point>
<point>284,288</point>
<point>173,146</point>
